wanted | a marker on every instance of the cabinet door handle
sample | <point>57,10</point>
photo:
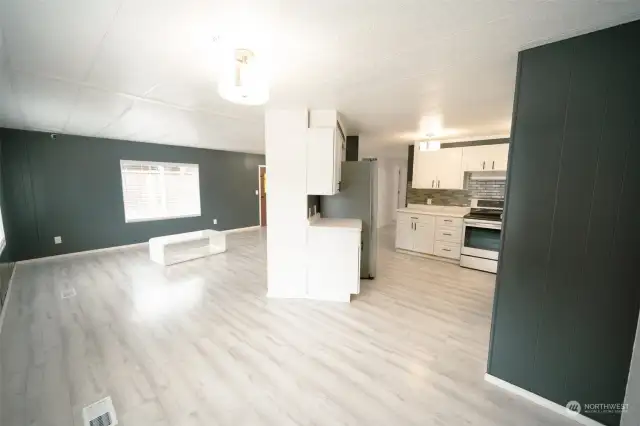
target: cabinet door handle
<point>446,233</point>
<point>413,217</point>
<point>438,183</point>
<point>448,220</point>
<point>493,165</point>
<point>446,249</point>
<point>483,165</point>
<point>433,182</point>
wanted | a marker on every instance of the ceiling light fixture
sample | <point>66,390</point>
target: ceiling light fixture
<point>243,78</point>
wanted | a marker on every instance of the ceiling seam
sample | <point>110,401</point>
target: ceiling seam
<point>93,61</point>
<point>115,120</point>
<point>141,99</point>
<point>92,64</point>
<point>6,59</point>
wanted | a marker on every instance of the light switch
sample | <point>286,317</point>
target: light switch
<point>215,221</point>
<point>57,240</point>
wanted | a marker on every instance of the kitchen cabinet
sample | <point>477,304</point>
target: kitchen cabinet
<point>404,233</point>
<point>430,231</point>
<point>415,232</point>
<point>441,169</point>
<point>334,256</point>
<point>485,158</point>
<point>325,147</point>
<point>423,238</point>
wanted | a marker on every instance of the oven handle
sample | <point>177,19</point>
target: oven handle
<point>482,225</point>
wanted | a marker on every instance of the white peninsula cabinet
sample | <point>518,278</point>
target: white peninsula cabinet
<point>334,251</point>
<point>430,231</point>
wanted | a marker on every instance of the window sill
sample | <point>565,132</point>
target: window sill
<point>155,219</point>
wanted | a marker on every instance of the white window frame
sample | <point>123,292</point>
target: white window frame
<point>160,164</point>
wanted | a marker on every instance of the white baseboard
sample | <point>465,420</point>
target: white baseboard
<point>537,399</point>
<point>428,256</point>
<point>6,300</point>
<point>248,228</point>
<point>107,249</point>
<point>81,253</point>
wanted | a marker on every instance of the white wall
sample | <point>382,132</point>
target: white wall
<point>388,185</point>
<point>285,136</point>
<point>632,417</point>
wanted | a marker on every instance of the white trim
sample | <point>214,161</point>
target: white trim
<point>157,163</point>
<point>152,219</point>
<point>260,194</point>
<point>537,399</point>
<point>80,253</point>
<point>7,299</point>
<point>107,249</point>
<point>248,228</point>
<point>428,256</point>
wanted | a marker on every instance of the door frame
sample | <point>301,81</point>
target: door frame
<point>260,194</point>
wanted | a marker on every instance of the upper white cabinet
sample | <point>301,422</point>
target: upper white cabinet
<point>485,158</point>
<point>325,151</point>
<point>441,169</point>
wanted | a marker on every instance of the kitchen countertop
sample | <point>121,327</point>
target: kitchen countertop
<point>450,211</point>
<point>350,224</point>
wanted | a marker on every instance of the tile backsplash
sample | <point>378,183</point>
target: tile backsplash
<point>475,188</point>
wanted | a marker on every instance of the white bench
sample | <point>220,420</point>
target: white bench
<point>177,248</point>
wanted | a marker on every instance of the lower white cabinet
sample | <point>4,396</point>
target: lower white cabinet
<point>404,234</point>
<point>333,247</point>
<point>415,232</point>
<point>427,234</point>
<point>423,237</point>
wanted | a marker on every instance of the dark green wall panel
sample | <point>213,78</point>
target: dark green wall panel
<point>6,266</point>
<point>71,187</point>
<point>567,300</point>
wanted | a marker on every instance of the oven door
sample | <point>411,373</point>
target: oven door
<point>481,239</point>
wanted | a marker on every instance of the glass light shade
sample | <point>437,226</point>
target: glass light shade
<point>429,145</point>
<point>243,78</point>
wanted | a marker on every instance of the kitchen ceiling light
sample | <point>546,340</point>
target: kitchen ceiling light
<point>429,145</point>
<point>243,78</point>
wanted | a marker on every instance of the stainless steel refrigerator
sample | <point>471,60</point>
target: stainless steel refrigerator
<point>358,199</point>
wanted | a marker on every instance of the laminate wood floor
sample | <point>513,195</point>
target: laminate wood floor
<point>199,344</point>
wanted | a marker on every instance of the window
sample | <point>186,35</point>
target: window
<point>154,191</point>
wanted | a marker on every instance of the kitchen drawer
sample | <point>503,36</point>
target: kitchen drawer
<point>419,218</point>
<point>447,249</point>
<point>448,233</point>
<point>455,222</point>
<point>404,217</point>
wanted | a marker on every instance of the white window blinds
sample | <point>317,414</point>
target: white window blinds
<point>154,191</point>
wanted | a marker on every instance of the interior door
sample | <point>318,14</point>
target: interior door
<point>404,234</point>
<point>423,238</point>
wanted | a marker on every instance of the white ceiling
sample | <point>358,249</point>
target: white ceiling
<point>146,69</point>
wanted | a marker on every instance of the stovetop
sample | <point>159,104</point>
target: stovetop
<point>485,214</point>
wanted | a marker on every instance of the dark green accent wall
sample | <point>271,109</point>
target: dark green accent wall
<point>567,290</point>
<point>6,266</point>
<point>71,187</point>
<point>352,143</point>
